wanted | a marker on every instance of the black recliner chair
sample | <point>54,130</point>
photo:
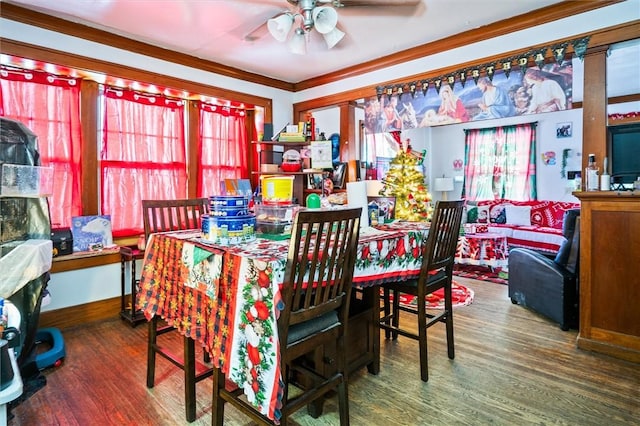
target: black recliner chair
<point>549,286</point>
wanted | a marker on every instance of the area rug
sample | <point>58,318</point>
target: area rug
<point>481,273</point>
<point>460,296</point>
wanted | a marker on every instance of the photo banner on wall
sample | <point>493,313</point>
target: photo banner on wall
<point>504,92</point>
<point>502,89</point>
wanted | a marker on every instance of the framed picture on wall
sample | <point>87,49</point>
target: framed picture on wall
<point>564,130</point>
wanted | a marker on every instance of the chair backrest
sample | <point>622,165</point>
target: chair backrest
<point>573,260</point>
<point>320,263</point>
<point>568,231</point>
<point>440,248</point>
<point>172,215</point>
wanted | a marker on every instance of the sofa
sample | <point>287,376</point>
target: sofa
<point>535,225</point>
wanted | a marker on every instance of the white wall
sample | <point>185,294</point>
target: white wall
<point>445,144</point>
<point>83,286</point>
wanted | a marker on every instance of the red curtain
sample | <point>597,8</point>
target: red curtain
<point>223,147</point>
<point>143,155</point>
<point>500,163</point>
<point>49,105</point>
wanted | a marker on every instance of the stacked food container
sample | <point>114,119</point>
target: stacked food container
<point>229,220</point>
<point>274,221</point>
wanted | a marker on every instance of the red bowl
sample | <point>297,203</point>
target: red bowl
<point>291,167</point>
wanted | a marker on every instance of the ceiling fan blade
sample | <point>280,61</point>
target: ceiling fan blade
<point>257,33</point>
<point>354,3</point>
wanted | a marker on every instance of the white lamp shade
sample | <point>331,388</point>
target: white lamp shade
<point>298,42</point>
<point>443,184</point>
<point>374,187</point>
<point>325,19</point>
<point>280,26</point>
<point>333,37</point>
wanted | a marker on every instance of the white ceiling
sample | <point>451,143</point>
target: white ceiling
<point>216,30</point>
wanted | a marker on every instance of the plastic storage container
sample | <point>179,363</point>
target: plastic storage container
<point>277,190</point>
<point>25,181</point>
<point>275,221</point>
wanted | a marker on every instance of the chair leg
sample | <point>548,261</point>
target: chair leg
<point>343,393</point>
<point>314,408</point>
<point>374,329</point>
<point>190,378</point>
<point>422,337</point>
<point>217,406</point>
<point>151,352</point>
<point>387,311</point>
<point>343,402</point>
<point>448,304</point>
<point>395,317</point>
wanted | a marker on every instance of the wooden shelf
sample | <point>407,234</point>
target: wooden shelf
<point>318,191</point>
<point>281,143</point>
<point>87,259</point>
<point>286,173</point>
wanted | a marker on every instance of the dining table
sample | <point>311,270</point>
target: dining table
<point>227,298</point>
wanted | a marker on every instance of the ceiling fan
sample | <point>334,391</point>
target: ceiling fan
<point>303,16</point>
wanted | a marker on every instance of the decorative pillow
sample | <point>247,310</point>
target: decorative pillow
<point>541,214</point>
<point>518,215</point>
<point>557,211</point>
<point>497,214</point>
<point>471,212</point>
<point>483,214</point>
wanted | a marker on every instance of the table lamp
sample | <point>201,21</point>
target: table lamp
<point>444,185</point>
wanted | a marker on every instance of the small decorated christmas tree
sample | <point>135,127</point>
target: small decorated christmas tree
<point>406,183</point>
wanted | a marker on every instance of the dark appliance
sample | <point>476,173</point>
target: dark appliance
<point>624,154</point>
<point>62,241</point>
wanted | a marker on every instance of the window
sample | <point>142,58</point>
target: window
<point>143,155</point>
<point>49,105</point>
<point>500,163</point>
<point>223,147</point>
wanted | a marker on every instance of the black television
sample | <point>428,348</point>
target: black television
<point>624,153</point>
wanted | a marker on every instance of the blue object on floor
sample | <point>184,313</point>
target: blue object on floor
<point>53,357</point>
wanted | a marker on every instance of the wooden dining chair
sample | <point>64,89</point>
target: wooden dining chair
<point>438,253</point>
<point>175,215</point>
<point>315,293</point>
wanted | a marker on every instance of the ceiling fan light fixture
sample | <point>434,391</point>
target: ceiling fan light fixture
<point>298,42</point>
<point>280,26</point>
<point>333,37</point>
<point>325,19</point>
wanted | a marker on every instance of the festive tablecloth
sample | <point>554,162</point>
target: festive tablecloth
<point>228,298</point>
<point>484,249</point>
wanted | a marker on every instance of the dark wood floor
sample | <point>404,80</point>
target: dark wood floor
<point>511,367</point>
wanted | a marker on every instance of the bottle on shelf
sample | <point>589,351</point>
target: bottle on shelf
<point>591,174</point>
<point>578,182</point>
